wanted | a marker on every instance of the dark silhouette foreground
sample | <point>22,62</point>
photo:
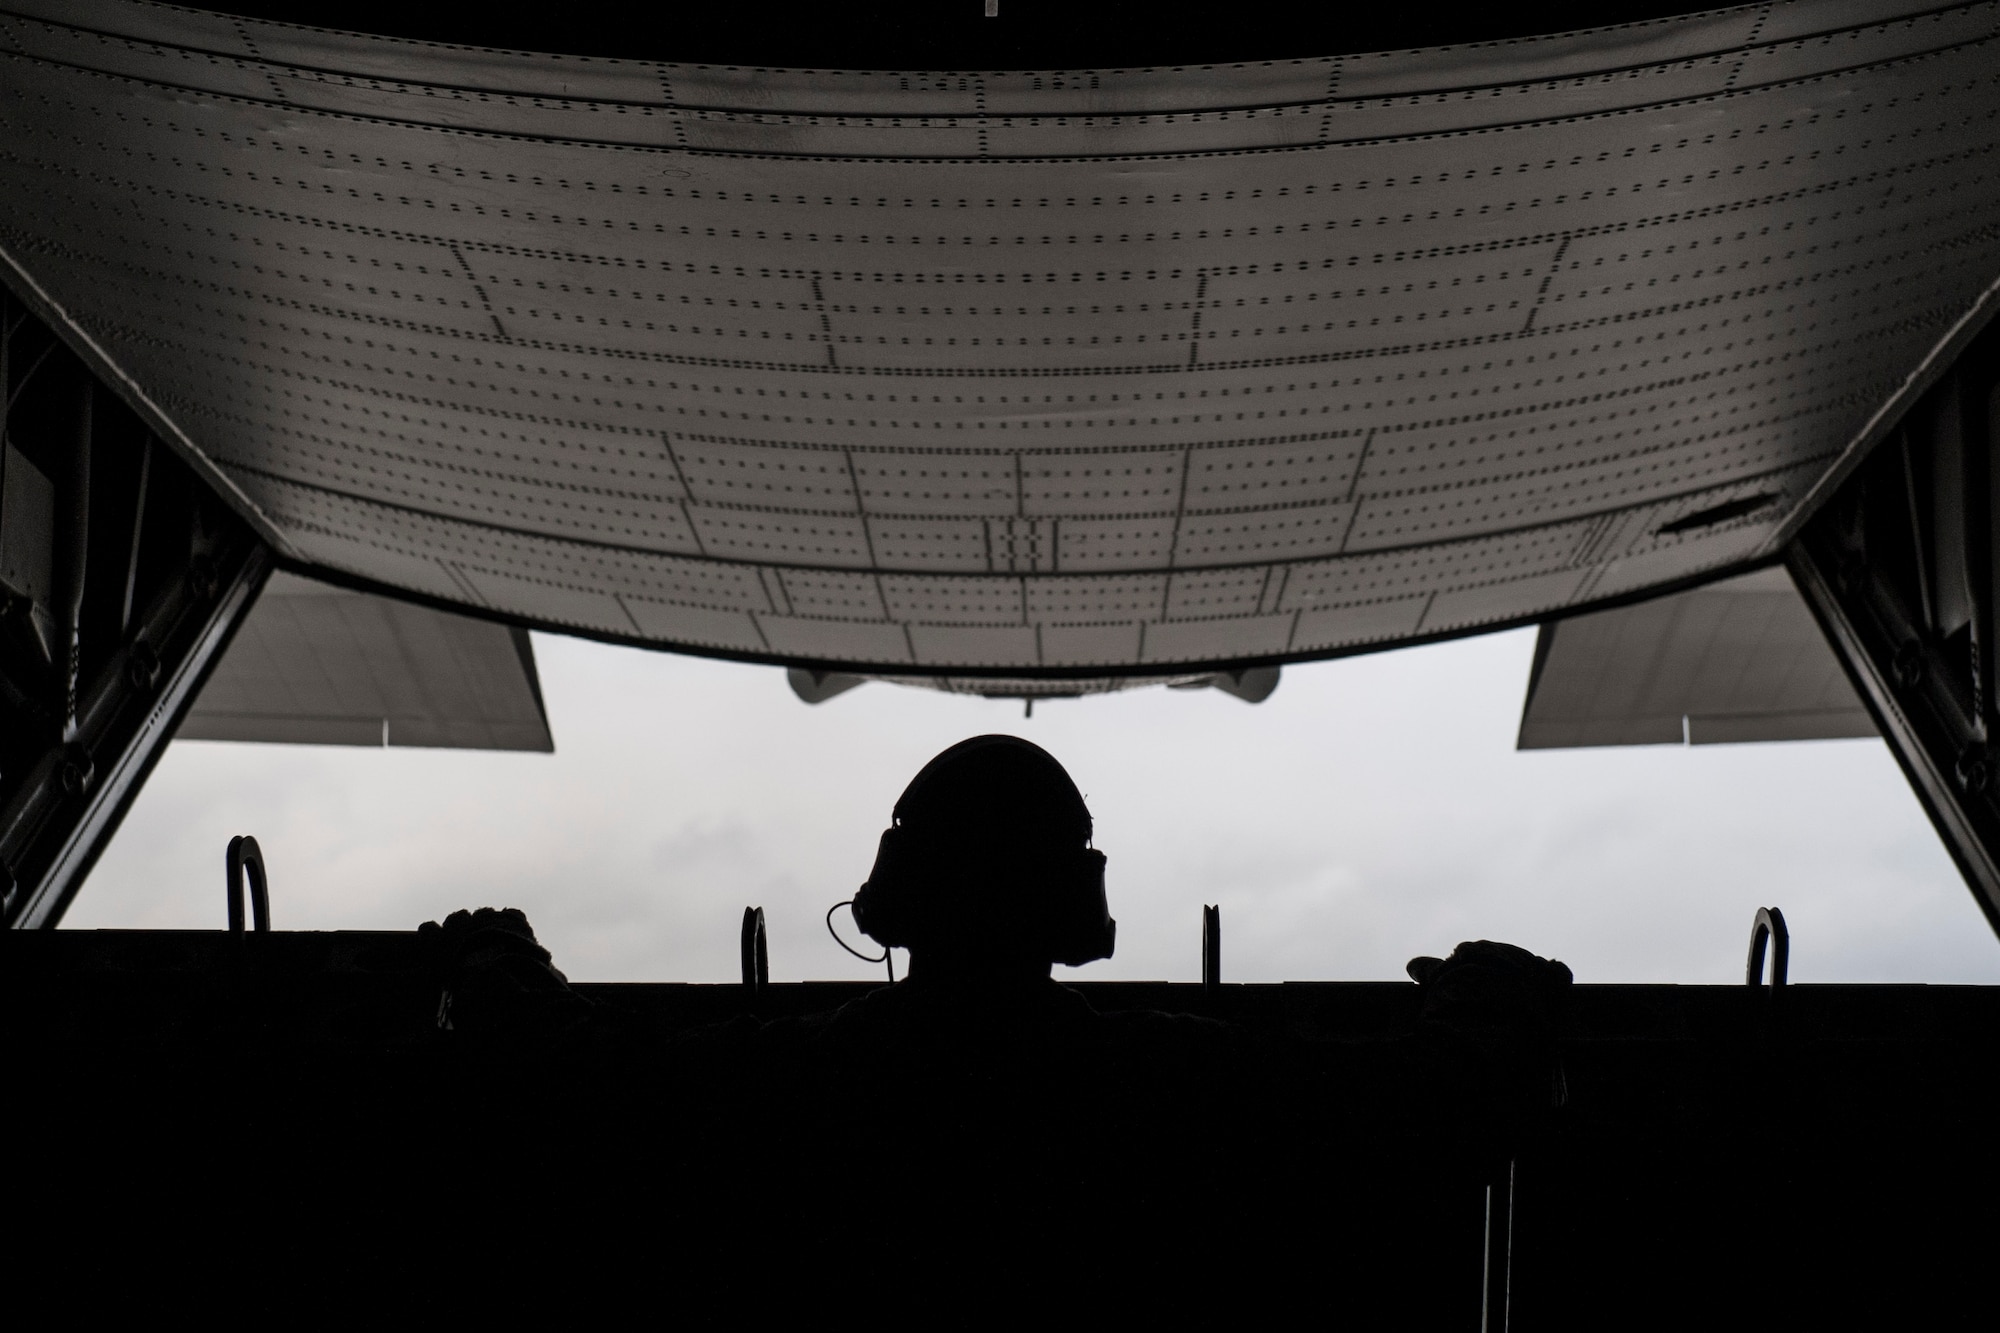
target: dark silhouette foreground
<point>280,1125</point>
<point>989,1113</point>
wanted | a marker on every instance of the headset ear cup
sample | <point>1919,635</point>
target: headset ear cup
<point>887,907</point>
<point>1087,933</point>
<point>881,906</point>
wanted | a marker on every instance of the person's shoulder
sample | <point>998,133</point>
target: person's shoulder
<point>886,1006</point>
<point>1164,1025</point>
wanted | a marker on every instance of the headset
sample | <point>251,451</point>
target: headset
<point>1064,886</point>
<point>891,907</point>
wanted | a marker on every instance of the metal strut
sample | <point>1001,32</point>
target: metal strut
<point>1499,1252</point>
<point>122,578</point>
<point>1900,566</point>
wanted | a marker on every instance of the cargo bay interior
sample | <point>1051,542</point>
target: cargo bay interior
<point>1012,355</point>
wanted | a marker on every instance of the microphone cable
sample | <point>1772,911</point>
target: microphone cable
<point>885,958</point>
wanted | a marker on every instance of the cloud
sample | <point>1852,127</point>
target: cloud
<point>1372,809</point>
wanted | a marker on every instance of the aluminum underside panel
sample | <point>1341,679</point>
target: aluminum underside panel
<point>1099,372</point>
<point>317,665</point>
<point>1739,660</point>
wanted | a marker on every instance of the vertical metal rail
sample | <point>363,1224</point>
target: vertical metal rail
<point>756,957</point>
<point>75,545</point>
<point>1211,951</point>
<point>138,532</point>
<point>1499,1252</point>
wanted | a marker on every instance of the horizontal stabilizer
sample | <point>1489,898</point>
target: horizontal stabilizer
<point>1739,660</point>
<point>319,665</point>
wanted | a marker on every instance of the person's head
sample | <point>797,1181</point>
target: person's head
<point>987,867</point>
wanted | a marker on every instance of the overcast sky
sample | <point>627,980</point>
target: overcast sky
<point>1371,809</point>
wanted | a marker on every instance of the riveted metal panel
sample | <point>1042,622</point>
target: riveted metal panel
<point>1380,346</point>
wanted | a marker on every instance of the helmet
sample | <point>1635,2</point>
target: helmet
<point>990,843</point>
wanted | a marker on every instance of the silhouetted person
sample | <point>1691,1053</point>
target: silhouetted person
<point>986,874</point>
<point>974,1098</point>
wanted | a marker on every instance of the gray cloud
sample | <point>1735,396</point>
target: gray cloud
<point>1372,809</point>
